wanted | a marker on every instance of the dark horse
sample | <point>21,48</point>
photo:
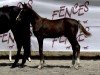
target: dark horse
<point>44,28</point>
<point>21,32</point>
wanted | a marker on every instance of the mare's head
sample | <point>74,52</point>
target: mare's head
<point>26,12</point>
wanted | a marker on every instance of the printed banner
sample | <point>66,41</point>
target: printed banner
<point>87,12</point>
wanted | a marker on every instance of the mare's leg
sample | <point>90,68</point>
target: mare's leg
<point>19,46</point>
<point>26,47</point>
<point>40,42</point>
<point>17,32</point>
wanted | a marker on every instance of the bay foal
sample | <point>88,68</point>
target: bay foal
<point>45,28</point>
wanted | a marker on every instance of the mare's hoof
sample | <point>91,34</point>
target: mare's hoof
<point>22,66</point>
<point>14,65</point>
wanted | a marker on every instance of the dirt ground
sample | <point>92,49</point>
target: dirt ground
<point>52,67</point>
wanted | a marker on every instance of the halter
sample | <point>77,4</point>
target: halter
<point>18,15</point>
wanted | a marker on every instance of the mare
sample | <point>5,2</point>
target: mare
<point>45,28</point>
<point>21,33</point>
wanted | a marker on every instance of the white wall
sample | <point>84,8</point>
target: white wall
<point>45,9</point>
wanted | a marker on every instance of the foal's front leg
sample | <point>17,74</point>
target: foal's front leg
<point>40,42</point>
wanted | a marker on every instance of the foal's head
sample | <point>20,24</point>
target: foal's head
<point>25,13</point>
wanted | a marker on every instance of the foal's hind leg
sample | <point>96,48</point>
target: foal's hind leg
<point>76,51</point>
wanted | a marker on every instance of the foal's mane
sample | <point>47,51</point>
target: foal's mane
<point>35,15</point>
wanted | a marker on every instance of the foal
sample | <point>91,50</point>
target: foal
<point>45,28</point>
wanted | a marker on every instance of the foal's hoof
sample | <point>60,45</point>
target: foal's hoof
<point>40,66</point>
<point>76,66</point>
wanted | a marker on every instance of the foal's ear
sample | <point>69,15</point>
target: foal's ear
<point>29,6</point>
<point>20,5</point>
<point>30,2</point>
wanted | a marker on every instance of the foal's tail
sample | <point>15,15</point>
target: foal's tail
<point>86,33</point>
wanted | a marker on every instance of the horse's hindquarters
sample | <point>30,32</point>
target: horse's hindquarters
<point>4,23</point>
